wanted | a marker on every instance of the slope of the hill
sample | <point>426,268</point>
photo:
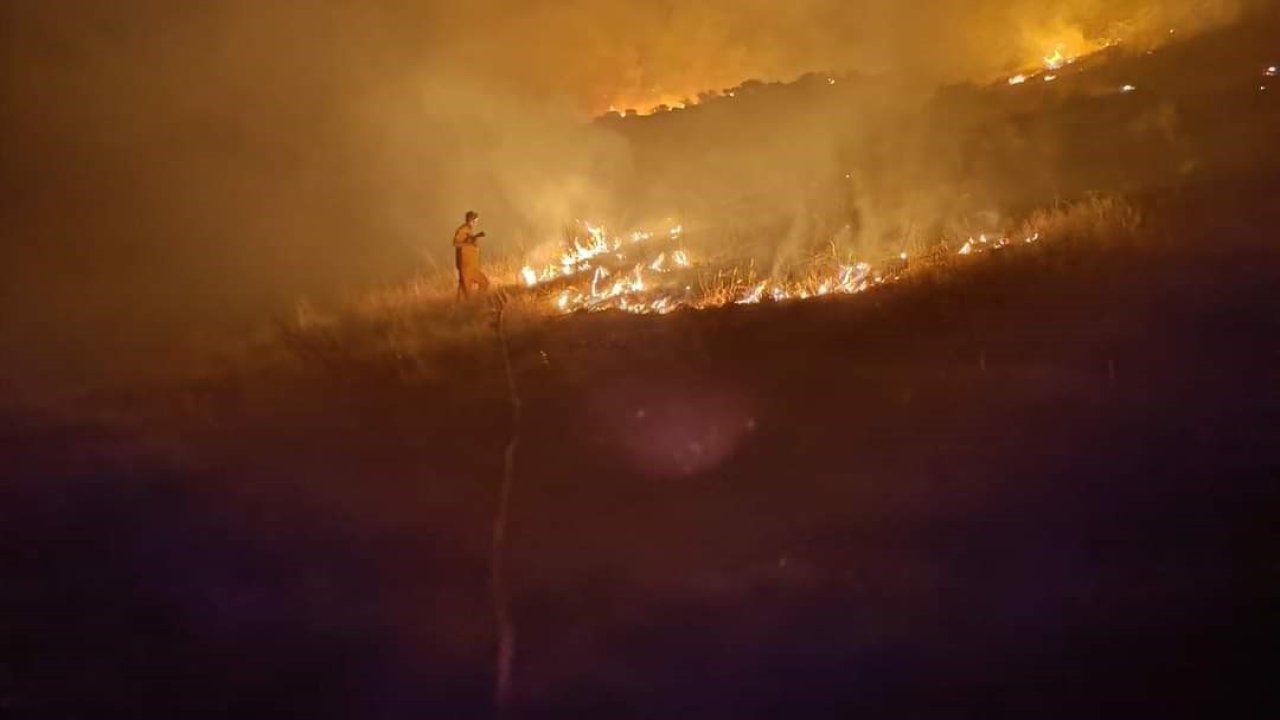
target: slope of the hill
<point>892,160</point>
<point>1036,482</point>
<point>1040,482</point>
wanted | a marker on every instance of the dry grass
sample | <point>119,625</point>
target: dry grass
<point>413,332</point>
<point>1094,218</point>
<point>415,329</point>
<point>434,288</point>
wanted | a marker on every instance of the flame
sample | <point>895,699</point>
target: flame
<point>637,292</point>
<point>645,103</point>
<point>650,279</point>
<point>753,295</point>
<point>1056,60</point>
<point>1068,46</point>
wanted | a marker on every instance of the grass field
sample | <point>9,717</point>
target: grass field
<point>1034,482</point>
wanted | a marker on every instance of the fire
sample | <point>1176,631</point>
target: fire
<point>754,294</point>
<point>642,273</point>
<point>1068,46</point>
<point>596,254</point>
<point>659,282</point>
<point>1056,60</point>
<point>645,104</point>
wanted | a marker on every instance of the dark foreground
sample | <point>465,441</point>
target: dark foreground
<point>1042,484</point>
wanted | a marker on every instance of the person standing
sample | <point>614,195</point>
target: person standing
<point>466,255</point>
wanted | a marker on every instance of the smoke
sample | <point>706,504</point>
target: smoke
<point>627,54</point>
<point>172,168</point>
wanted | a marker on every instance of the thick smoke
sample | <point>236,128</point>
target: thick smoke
<point>175,167</point>
<point>604,54</point>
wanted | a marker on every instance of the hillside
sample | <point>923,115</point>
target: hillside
<point>1039,481</point>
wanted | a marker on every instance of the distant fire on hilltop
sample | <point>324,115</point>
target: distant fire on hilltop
<point>647,105</point>
<point>1062,53</point>
<point>640,105</point>
<point>1048,52</point>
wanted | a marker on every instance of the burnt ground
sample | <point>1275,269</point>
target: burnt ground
<point>1039,483</point>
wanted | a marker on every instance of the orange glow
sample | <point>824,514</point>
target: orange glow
<point>608,272</point>
<point>645,105</point>
<point>1055,60</point>
<point>1060,49</point>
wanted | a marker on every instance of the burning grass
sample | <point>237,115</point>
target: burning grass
<point>632,276</point>
<point>413,331</point>
<point>645,272</point>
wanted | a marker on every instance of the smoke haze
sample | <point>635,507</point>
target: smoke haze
<point>175,167</point>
